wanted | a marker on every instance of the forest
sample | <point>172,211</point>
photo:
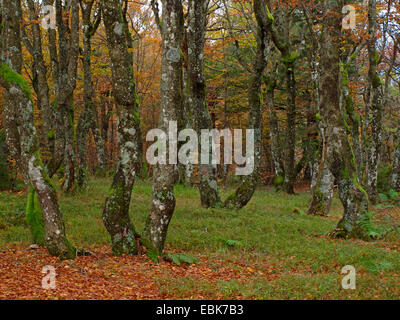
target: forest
<point>199,149</point>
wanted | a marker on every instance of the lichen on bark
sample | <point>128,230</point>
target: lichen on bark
<point>116,210</point>
<point>163,198</point>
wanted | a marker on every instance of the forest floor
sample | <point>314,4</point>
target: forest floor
<point>269,250</point>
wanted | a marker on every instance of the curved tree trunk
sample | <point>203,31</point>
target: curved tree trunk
<point>339,153</point>
<point>22,138</point>
<point>249,182</point>
<point>197,96</point>
<point>68,51</point>
<point>39,71</point>
<point>163,203</point>
<point>116,210</point>
<point>88,119</point>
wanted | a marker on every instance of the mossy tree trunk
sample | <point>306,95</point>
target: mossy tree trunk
<point>116,210</point>
<point>40,84</point>
<point>22,138</point>
<point>395,174</point>
<point>288,58</point>
<point>321,187</point>
<point>88,119</point>
<point>245,191</point>
<point>163,203</point>
<point>68,52</point>
<point>276,151</point>
<point>290,146</point>
<point>5,174</point>
<point>197,15</point>
<point>375,101</point>
<point>56,141</point>
<point>185,170</point>
<point>339,154</point>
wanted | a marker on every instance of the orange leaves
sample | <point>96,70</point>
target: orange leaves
<point>103,276</point>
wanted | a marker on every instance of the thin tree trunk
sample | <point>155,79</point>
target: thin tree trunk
<point>39,71</point>
<point>56,135</point>
<point>196,39</point>
<point>276,152</point>
<point>375,100</point>
<point>395,175</point>
<point>68,45</point>
<point>249,182</point>
<point>290,172</point>
<point>88,119</point>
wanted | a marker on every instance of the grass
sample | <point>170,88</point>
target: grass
<point>285,252</point>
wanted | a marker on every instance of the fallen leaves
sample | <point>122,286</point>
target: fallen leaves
<point>103,276</point>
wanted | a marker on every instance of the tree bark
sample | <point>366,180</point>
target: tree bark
<point>116,211</point>
<point>197,14</point>
<point>339,153</point>
<point>375,100</point>
<point>276,152</point>
<point>39,71</point>
<point>88,119</point>
<point>289,60</point>
<point>21,134</point>
<point>321,187</point>
<point>395,174</point>
<point>163,203</point>
<point>68,51</point>
<point>249,182</point>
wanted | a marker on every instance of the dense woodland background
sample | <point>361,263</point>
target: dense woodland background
<point>77,101</point>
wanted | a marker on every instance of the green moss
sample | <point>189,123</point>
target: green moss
<point>270,16</point>
<point>278,180</point>
<point>5,176</point>
<point>359,187</point>
<point>345,173</point>
<point>50,134</point>
<point>290,58</point>
<point>34,218</point>
<point>13,78</point>
<point>44,171</point>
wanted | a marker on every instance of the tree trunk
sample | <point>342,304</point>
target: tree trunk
<point>339,153</point>
<point>395,175</point>
<point>39,71</point>
<point>197,96</point>
<point>68,47</point>
<point>321,188</point>
<point>276,152</point>
<point>116,211</point>
<point>290,172</point>
<point>21,135</point>
<point>375,100</point>
<point>289,60</point>
<point>249,182</point>
<point>56,135</point>
<point>88,119</point>
<point>163,203</point>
